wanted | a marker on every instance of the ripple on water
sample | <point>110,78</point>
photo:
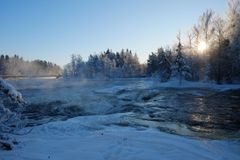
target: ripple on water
<point>190,112</point>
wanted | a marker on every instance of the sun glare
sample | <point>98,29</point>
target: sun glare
<point>202,46</point>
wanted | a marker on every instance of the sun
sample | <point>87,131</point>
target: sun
<point>202,46</point>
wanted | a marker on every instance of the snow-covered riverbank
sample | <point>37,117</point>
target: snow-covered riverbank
<point>134,82</point>
<point>88,138</point>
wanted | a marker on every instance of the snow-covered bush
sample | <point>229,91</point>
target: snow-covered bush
<point>11,105</point>
<point>11,92</point>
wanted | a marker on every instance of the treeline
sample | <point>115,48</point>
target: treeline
<point>166,64</point>
<point>17,66</point>
<point>211,51</point>
<point>108,64</point>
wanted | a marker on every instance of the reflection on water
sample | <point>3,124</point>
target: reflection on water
<point>201,116</point>
<point>210,114</point>
<point>200,104</point>
<point>191,112</point>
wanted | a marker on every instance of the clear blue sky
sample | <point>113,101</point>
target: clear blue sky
<point>54,29</point>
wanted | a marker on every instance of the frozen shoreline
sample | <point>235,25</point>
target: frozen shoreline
<point>88,138</point>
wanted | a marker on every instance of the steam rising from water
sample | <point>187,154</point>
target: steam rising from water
<point>192,112</point>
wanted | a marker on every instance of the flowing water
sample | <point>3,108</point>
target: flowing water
<point>196,112</point>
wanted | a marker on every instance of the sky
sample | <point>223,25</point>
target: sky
<point>53,30</point>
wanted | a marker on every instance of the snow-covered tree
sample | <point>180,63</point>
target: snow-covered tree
<point>152,64</point>
<point>233,34</point>
<point>220,54</point>
<point>164,64</point>
<point>80,66</point>
<point>220,63</point>
<point>17,66</point>
<point>180,68</point>
<point>107,64</point>
<point>93,66</point>
<point>76,68</point>
<point>206,26</point>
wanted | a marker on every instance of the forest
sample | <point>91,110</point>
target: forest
<point>210,51</point>
<point>18,67</point>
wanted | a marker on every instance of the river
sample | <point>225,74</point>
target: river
<point>195,112</point>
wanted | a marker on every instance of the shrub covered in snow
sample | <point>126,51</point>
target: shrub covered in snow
<point>10,91</point>
<point>11,105</point>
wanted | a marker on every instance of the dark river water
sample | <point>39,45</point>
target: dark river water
<point>195,112</point>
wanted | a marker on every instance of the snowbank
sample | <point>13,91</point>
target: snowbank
<point>90,138</point>
<point>200,84</point>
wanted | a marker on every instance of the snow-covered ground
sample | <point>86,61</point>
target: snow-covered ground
<point>111,130</point>
<point>201,84</point>
<point>87,138</point>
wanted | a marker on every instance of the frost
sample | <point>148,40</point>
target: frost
<point>10,91</point>
<point>11,104</point>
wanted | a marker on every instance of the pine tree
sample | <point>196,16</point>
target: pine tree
<point>152,64</point>
<point>164,65</point>
<point>181,67</point>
